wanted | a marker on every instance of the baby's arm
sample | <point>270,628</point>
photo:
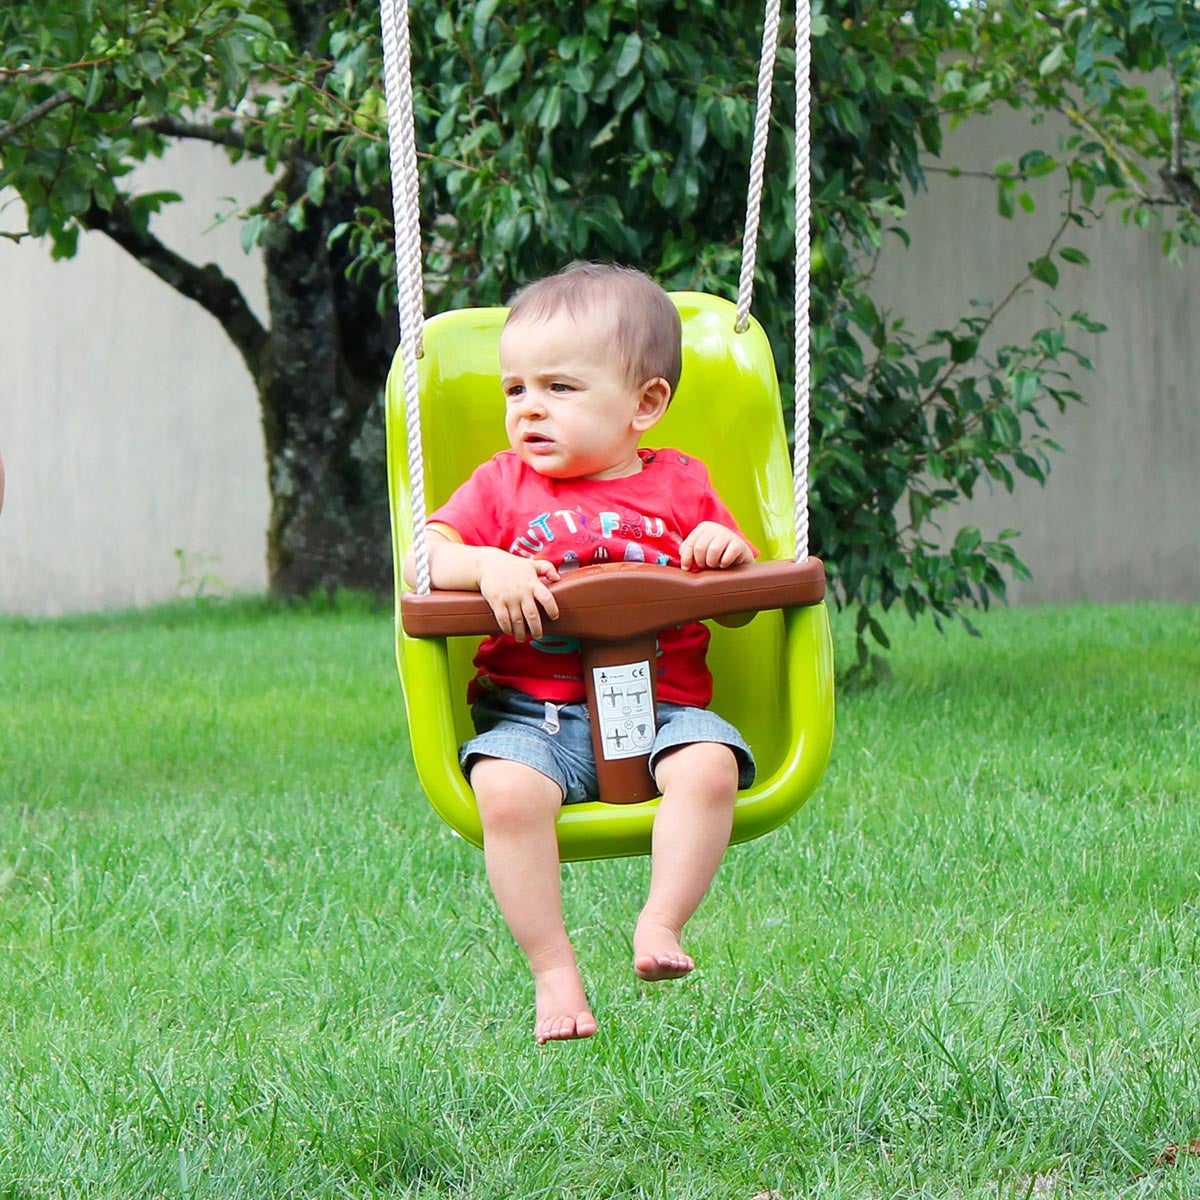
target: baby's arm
<point>514,587</point>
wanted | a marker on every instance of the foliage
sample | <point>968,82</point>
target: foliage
<point>1124,75</point>
<point>93,88</point>
<point>621,130</point>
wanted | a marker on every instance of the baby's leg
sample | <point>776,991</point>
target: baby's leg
<point>691,832</point>
<point>518,807</point>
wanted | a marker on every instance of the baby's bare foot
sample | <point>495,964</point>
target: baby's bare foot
<point>562,1007</point>
<point>657,954</point>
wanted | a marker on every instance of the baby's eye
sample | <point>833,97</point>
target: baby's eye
<point>561,387</point>
<point>514,390</point>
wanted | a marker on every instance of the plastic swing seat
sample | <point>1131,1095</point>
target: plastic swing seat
<point>773,677</point>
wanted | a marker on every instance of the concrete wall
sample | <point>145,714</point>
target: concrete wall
<point>130,430</point>
<point>1119,518</point>
<point>128,423</point>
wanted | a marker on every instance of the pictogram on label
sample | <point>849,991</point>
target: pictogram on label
<point>626,709</point>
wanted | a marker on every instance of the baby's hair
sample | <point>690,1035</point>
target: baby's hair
<point>646,332</point>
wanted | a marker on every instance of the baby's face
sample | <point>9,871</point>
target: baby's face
<point>571,411</point>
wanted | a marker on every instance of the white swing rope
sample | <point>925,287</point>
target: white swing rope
<point>406,222</point>
<point>397,59</point>
<point>802,373</point>
<point>758,159</point>
<point>758,155</point>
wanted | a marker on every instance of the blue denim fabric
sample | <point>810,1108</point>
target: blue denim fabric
<point>556,739</point>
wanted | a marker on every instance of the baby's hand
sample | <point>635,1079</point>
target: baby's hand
<point>710,546</point>
<point>515,587</point>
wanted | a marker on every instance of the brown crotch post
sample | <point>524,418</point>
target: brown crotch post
<point>616,610</point>
<point>619,678</point>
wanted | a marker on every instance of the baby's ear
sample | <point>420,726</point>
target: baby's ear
<point>655,396</point>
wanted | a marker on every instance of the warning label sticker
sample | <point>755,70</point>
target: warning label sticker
<point>626,711</point>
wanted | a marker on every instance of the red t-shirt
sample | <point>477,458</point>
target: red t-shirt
<point>575,523</point>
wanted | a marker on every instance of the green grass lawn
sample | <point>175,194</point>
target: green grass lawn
<point>242,959</point>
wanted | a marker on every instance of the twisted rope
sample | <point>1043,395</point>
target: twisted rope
<point>803,209</point>
<point>406,214</point>
<point>758,158</point>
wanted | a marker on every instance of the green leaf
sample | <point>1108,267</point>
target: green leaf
<point>1004,199</point>
<point>39,219</point>
<point>597,17</point>
<point>94,88</point>
<point>1037,163</point>
<point>631,53</point>
<point>314,188</point>
<point>580,77</point>
<point>877,632</point>
<point>551,111</point>
<point>968,539</point>
<point>1044,270</point>
<point>142,207</point>
<point>256,24</point>
<point>963,349</point>
<point>510,71</point>
<point>485,10</point>
<point>1053,61</point>
<point>661,101</point>
<point>628,92</point>
<point>608,221</point>
<point>1025,388</point>
<point>608,132</point>
<point>848,115</point>
<point>253,228</point>
<point>698,133</point>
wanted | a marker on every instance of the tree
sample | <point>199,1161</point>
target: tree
<point>609,129</point>
<point>93,88</point>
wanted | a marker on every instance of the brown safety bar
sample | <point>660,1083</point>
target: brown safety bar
<point>615,611</point>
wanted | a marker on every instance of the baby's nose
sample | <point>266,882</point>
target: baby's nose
<point>531,403</point>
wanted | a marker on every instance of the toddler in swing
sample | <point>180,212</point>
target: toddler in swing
<point>589,360</point>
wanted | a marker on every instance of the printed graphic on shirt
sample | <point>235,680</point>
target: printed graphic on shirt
<point>573,538</point>
<point>556,645</point>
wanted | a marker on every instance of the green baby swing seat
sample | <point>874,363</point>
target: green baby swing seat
<point>773,677</point>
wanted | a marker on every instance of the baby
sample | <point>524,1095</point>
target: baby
<point>589,360</point>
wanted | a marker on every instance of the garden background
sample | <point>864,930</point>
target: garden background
<point>240,958</point>
<point>135,459</point>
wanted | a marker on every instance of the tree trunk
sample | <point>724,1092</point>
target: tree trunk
<point>321,391</point>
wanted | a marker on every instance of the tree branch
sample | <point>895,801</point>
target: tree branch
<point>1081,121</point>
<point>36,113</point>
<point>208,286</point>
<point>43,74</point>
<point>1176,123</point>
<point>1182,188</point>
<point>1177,179</point>
<point>174,127</point>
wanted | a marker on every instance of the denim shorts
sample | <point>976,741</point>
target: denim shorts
<point>556,739</point>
